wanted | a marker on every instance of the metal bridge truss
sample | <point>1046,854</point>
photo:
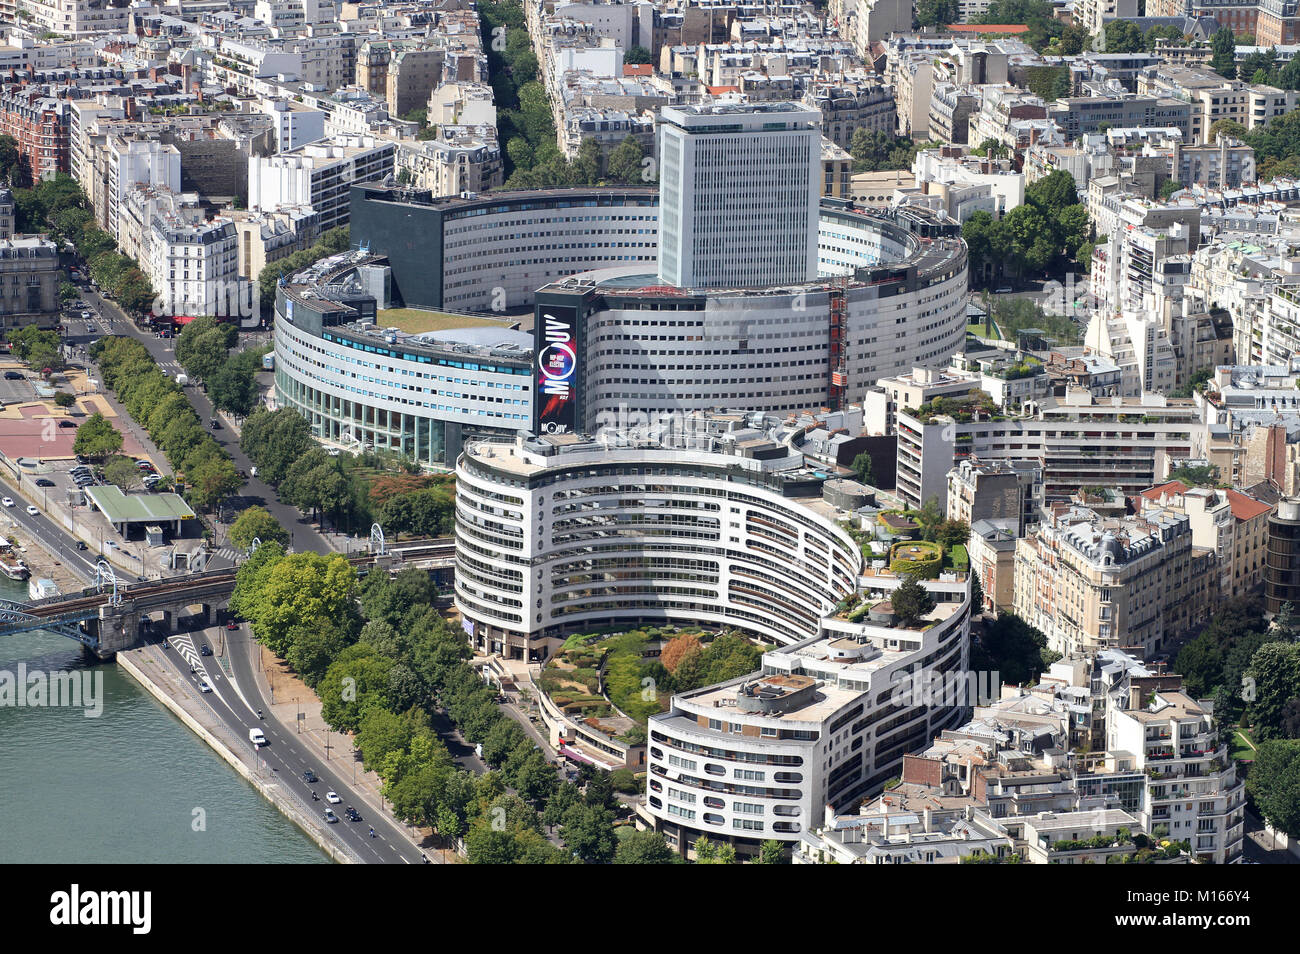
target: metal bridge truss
<point>15,618</point>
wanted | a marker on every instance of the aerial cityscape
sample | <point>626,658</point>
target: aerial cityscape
<point>650,432</point>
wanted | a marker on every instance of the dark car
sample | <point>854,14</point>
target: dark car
<point>13,376</point>
<point>215,424</point>
<point>66,423</point>
<point>44,482</point>
<point>81,545</point>
<point>352,814</point>
<point>310,776</point>
<point>205,650</point>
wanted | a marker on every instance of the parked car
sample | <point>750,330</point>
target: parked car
<point>1004,290</point>
<point>44,482</point>
<point>67,423</point>
<point>13,376</point>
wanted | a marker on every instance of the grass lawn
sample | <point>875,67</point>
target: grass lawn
<point>980,331</point>
<point>414,321</point>
<point>1242,750</point>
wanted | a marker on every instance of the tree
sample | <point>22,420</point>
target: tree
<point>707,853</point>
<point>1169,187</point>
<point>303,587</point>
<point>862,468</point>
<point>932,13</point>
<point>64,399</point>
<point>204,345</point>
<point>212,478</point>
<point>911,601</point>
<point>123,474</point>
<point>772,852</point>
<point>1010,647</point>
<point>589,833</point>
<point>96,437</point>
<point>1274,784</point>
<point>644,848</point>
<point>1124,36</point>
<point>257,523</point>
<point>1073,40</point>
<point>1275,669</point>
<point>1224,57</point>
<point>635,55</point>
<point>274,440</point>
<point>625,162</point>
<point>1226,127</point>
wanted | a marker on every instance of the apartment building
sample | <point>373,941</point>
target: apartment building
<point>1080,440</point>
<point>1091,583</point>
<point>856,101</point>
<point>320,175</point>
<point>29,282</point>
<point>1230,523</point>
<point>194,266</point>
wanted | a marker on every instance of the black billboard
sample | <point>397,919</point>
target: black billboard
<point>555,381</point>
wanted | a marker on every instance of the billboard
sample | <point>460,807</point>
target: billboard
<point>555,383</point>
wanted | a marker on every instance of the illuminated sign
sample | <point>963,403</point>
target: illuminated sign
<point>555,395</point>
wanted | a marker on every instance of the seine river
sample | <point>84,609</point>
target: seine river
<point>131,786</point>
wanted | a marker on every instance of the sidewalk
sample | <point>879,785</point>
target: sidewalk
<point>294,705</point>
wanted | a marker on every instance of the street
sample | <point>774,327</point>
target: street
<point>304,536</point>
<point>236,698</point>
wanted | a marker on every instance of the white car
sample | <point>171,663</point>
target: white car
<point>8,501</point>
<point>332,798</point>
<point>31,508</point>
<point>205,686</point>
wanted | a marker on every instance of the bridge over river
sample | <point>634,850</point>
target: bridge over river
<point>110,616</point>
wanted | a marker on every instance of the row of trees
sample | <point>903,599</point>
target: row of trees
<point>58,206</point>
<point>382,658</point>
<point>203,350</point>
<point>39,348</point>
<point>157,402</point>
<point>1045,232</point>
<point>355,490</point>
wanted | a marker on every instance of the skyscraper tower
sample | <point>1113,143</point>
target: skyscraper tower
<point>738,194</point>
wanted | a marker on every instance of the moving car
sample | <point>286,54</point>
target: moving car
<point>333,798</point>
<point>257,737</point>
<point>205,650</point>
<point>33,510</point>
<point>231,625</point>
<point>352,814</point>
<point>205,686</point>
<point>330,816</point>
<point>310,777</point>
<point>81,545</point>
<point>7,501</point>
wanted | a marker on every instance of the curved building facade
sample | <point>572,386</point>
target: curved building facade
<point>1282,557</point>
<point>824,723</point>
<point>420,395</point>
<point>888,300</point>
<point>490,252</point>
<point>562,533</point>
<point>565,534</point>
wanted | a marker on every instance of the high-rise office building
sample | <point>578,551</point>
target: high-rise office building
<point>739,194</point>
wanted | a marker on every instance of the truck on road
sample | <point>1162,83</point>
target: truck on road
<point>183,380</point>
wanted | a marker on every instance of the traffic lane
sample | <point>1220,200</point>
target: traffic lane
<point>389,833</point>
<point>54,539</point>
<point>305,535</point>
<point>284,761</point>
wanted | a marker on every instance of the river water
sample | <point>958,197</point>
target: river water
<point>131,786</point>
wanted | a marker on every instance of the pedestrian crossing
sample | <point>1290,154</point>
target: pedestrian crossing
<point>229,553</point>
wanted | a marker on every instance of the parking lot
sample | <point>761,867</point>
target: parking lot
<point>16,392</point>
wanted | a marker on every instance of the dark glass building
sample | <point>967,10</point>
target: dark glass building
<point>1282,560</point>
